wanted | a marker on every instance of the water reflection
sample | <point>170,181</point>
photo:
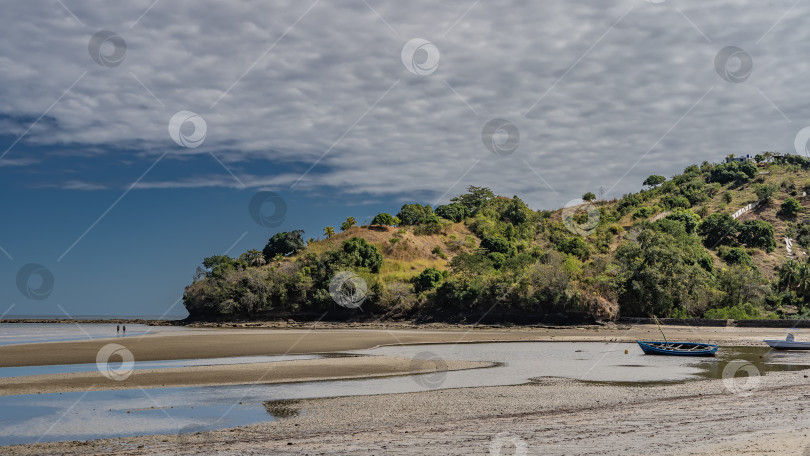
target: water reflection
<point>26,333</point>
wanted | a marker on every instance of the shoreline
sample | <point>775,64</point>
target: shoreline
<point>411,324</point>
<point>202,343</point>
<point>555,416</point>
<point>93,321</point>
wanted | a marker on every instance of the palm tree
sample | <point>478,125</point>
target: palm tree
<point>350,222</point>
<point>329,231</point>
<point>804,281</point>
<point>788,274</point>
<point>253,257</point>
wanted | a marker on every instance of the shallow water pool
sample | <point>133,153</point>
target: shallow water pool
<point>101,414</point>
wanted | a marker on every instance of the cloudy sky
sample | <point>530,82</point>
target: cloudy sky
<point>133,136</point>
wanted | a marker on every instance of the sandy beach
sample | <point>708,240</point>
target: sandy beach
<point>231,374</point>
<point>549,416</point>
<point>220,343</point>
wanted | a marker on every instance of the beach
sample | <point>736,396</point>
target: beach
<point>225,342</point>
<point>544,416</point>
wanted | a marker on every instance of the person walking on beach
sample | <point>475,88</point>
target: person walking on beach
<point>125,330</point>
<point>118,329</point>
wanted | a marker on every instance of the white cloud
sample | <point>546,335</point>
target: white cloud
<point>23,161</point>
<point>77,185</point>
<point>611,89</point>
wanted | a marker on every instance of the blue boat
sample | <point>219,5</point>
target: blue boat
<point>676,348</point>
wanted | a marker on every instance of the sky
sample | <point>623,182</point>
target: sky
<point>134,135</point>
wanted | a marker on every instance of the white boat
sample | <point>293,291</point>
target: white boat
<point>788,344</point>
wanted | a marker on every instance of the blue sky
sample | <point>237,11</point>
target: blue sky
<point>351,108</point>
<point>136,259</point>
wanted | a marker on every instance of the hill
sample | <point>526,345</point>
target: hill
<point>680,247</point>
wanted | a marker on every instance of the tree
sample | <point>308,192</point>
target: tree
<point>428,279</point>
<point>719,229</point>
<point>659,274</point>
<point>643,212</point>
<point>470,264</point>
<point>475,198</point>
<point>733,171</point>
<point>749,169</point>
<point>589,196</point>
<point>790,207</point>
<point>803,281</point>
<point>688,218</point>
<point>574,246</point>
<point>496,244</point>
<point>415,214</point>
<point>219,265</point>
<point>674,201</point>
<point>358,252</point>
<point>788,275</point>
<point>284,243</point>
<point>348,223</point>
<point>253,258</point>
<point>329,231</point>
<point>759,158</point>
<point>764,192</point>
<point>385,218</point>
<point>735,255</point>
<point>455,212</point>
<point>757,233</point>
<point>516,212</point>
<point>654,181</point>
<point>498,259</point>
<point>740,284</point>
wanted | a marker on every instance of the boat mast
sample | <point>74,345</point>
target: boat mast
<point>662,331</point>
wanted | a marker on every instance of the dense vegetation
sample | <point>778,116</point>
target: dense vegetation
<point>672,249</point>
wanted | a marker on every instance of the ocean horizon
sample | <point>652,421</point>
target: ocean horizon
<point>92,317</point>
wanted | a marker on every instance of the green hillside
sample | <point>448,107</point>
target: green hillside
<point>671,249</point>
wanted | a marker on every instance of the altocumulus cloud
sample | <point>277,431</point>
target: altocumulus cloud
<point>603,93</point>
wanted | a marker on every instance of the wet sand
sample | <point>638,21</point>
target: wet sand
<point>231,374</point>
<point>222,343</point>
<point>550,416</point>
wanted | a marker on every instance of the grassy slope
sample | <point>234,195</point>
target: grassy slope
<point>744,195</point>
<point>411,253</point>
